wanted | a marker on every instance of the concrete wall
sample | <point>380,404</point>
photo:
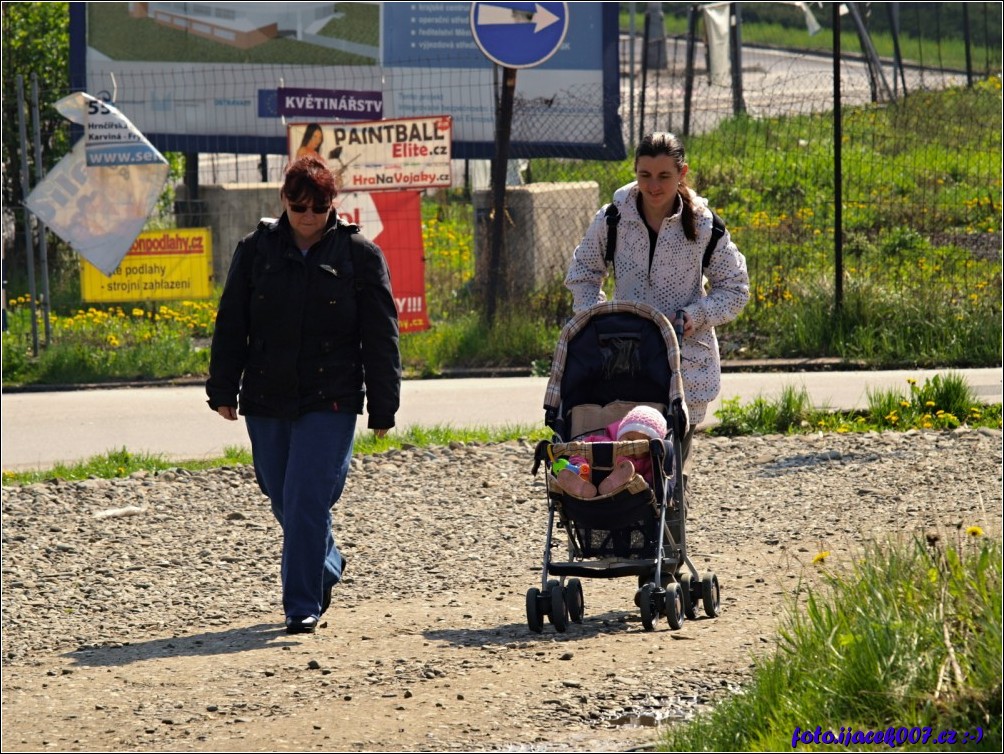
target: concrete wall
<point>231,211</point>
<point>545,223</point>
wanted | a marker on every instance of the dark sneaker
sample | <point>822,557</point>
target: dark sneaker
<point>301,624</point>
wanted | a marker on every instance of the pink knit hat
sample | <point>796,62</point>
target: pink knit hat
<point>643,419</point>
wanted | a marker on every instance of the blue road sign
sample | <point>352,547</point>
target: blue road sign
<point>519,35</point>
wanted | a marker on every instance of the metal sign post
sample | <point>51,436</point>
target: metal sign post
<point>512,35</point>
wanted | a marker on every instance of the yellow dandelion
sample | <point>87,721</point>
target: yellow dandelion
<point>904,404</point>
<point>929,404</point>
<point>974,531</point>
<point>821,557</point>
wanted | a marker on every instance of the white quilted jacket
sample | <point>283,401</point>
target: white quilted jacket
<point>675,282</point>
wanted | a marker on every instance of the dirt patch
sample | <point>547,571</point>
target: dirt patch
<point>143,613</point>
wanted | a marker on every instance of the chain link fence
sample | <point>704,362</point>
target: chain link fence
<point>921,167</point>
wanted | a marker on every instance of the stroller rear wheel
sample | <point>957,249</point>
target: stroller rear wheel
<point>674,606</point>
<point>711,595</point>
<point>575,600</point>
<point>649,611</point>
<point>691,595</point>
<point>534,616</point>
<point>559,610</point>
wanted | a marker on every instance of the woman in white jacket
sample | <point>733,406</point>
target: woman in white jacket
<point>662,234</point>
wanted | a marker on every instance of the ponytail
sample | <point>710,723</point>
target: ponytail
<point>687,216</point>
<point>663,142</point>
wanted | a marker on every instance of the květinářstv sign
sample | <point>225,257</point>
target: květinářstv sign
<point>405,153</point>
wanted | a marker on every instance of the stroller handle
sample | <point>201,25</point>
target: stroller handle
<point>678,326</point>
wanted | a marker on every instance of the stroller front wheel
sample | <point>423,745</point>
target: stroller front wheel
<point>649,611</point>
<point>534,616</point>
<point>559,610</point>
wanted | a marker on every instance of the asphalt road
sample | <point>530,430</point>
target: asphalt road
<point>41,429</point>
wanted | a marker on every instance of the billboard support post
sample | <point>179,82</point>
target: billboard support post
<point>503,129</point>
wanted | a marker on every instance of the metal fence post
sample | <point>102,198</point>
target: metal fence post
<point>838,189</point>
<point>899,74</point>
<point>644,80</point>
<point>29,245</point>
<point>631,31</point>
<point>688,76</point>
<point>969,46</point>
<point>43,247</point>
<point>736,46</point>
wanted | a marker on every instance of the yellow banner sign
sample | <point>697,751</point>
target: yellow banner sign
<point>162,265</point>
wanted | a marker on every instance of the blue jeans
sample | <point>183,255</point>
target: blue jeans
<point>301,465</point>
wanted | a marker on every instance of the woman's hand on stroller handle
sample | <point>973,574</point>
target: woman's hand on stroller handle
<point>682,324</point>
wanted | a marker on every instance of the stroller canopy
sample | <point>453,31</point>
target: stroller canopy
<point>615,350</point>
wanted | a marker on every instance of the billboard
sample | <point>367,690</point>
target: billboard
<point>230,77</point>
<point>412,153</point>
<point>162,265</point>
<point>393,221</point>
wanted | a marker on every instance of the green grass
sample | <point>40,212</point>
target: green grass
<point>109,344</point>
<point>942,402</point>
<point>122,463</point>
<point>907,636</point>
<point>466,342</point>
<point>112,32</point>
<point>360,23</point>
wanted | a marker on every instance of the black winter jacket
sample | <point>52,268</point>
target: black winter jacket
<point>298,333</point>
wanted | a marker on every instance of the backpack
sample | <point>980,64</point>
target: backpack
<point>613,216</point>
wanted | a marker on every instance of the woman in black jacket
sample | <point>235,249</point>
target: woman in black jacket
<point>305,332</point>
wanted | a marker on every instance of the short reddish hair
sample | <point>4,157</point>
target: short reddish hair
<point>308,178</point>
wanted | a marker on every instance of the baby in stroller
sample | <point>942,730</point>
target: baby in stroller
<point>640,423</point>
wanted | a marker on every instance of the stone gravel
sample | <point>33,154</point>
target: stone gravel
<point>145,611</point>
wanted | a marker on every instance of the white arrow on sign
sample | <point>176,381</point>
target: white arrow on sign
<point>541,18</point>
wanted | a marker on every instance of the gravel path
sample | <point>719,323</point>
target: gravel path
<point>144,613</point>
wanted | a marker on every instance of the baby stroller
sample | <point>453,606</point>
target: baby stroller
<point>610,358</point>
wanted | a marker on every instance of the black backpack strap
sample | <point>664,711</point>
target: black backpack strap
<point>613,217</point>
<point>717,231</point>
<point>352,231</point>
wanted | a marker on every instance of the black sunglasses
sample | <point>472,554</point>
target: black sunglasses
<point>319,209</point>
